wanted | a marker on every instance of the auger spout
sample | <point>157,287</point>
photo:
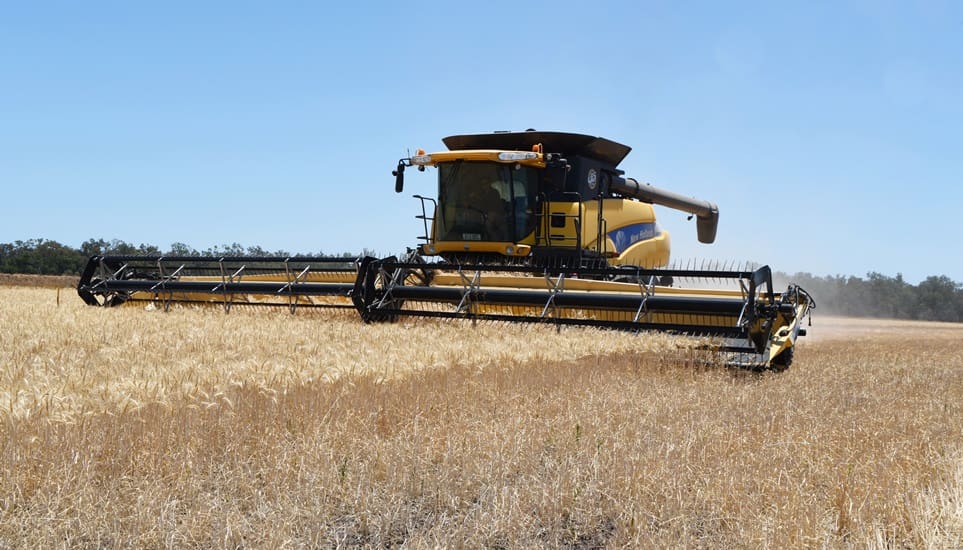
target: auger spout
<point>707,213</point>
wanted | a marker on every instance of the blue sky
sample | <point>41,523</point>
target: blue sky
<point>829,133</point>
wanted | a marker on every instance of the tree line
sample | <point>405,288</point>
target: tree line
<point>937,298</point>
<point>45,257</point>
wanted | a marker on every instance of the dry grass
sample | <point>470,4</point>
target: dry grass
<point>45,281</point>
<point>62,362</point>
<point>258,429</point>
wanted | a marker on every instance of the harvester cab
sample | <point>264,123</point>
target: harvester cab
<point>545,198</point>
<point>526,227</point>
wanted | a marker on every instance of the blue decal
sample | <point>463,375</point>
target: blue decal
<point>627,236</point>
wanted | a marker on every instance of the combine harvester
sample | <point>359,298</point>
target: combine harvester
<point>526,227</point>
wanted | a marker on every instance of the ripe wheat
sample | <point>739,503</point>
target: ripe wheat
<point>195,428</point>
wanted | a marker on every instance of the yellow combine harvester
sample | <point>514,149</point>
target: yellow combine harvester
<point>526,227</point>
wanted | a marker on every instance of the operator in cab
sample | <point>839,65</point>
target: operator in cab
<point>481,205</point>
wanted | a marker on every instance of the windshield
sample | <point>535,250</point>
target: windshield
<point>485,201</point>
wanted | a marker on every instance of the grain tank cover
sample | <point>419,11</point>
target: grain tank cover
<point>597,148</point>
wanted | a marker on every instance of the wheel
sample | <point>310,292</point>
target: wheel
<point>782,361</point>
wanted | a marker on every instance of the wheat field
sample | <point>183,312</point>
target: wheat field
<point>196,428</point>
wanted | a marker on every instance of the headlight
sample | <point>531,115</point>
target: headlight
<point>516,156</point>
<point>421,160</point>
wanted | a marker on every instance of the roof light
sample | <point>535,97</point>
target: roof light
<point>517,156</point>
<point>421,159</point>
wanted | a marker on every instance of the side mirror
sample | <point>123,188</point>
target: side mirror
<point>399,175</point>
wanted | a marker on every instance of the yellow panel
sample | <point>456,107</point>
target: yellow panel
<point>240,298</point>
<point>541,283</point>
<point>203,298</point>
<point>310,277</point>
<point>617,213</point>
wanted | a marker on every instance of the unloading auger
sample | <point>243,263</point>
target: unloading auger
<point>526,227</point>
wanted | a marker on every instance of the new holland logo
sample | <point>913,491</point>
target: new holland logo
<point>631,234</point>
